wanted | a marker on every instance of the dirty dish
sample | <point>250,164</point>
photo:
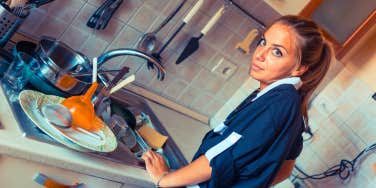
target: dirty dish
<point>32,101</point>
<point>28,101</point>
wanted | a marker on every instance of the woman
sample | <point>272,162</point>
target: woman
<point>258,143</point>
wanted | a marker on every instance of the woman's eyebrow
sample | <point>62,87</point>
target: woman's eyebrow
<point>278,45</point>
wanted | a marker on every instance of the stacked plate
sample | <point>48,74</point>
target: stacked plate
<point>31,103</point>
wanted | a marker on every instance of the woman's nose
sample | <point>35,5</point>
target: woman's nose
<point>261,53</point>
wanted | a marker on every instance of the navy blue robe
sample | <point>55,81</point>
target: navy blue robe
<point>270,129</point>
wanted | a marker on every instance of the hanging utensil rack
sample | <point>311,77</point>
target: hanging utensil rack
<point>259,22</point>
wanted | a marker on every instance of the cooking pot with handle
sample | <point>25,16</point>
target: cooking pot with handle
<point>57,60</point>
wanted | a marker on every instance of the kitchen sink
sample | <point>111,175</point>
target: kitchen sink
<point>135,103</point>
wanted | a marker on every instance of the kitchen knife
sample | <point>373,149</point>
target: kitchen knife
<point>186,19</point>
<point>193,43</point>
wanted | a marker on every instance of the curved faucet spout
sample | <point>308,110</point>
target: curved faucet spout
<point>132,52</point>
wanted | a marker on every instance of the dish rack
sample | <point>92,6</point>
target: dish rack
<point>9,24</point>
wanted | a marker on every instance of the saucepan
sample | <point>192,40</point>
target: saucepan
<point>58,65</point>
<point>58,61</point>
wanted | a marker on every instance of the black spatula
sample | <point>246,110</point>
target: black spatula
<point>186,19</point>
<point>193,43</point>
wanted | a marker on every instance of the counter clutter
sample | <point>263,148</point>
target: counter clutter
<point>14,145</point>
<point>27,108</point>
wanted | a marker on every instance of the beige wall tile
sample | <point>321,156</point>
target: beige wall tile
<point>143,18</point>
<point>83,16</point>
<point>344,79</point>
<point>324,104</point>
<point>213,106</point>
<point>51,26</point>
<point>218,36</point>
<point>65,10</point>
<point>93,47</point>
<point>144,76</point>
<point>160,86</point>
<point>112,29</point>
<point>128,9</point>
<point>228,90</point>
<point>233,18</point>
<point>188,70</point>
<point>353,137</point>
<point>188,96</point>
<point>175,89</point>
<point>201,103</point>
<point>126,38</point>
<point>310,162</point>
<point>33,21</point>
<point>208,82</point>
<point>75,37</point>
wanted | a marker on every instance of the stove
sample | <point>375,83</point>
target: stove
<point>121,154</point>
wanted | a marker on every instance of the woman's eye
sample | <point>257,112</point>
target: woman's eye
<point>277,52</point>
<point>262,42</point>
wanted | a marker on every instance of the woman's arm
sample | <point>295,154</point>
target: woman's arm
<point>196,172</point>
<point>284,172</point>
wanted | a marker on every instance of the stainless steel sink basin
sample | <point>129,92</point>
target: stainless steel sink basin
<point>137,104</point>
<point>133,102</point>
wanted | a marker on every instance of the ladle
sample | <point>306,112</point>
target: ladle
<point>148,41</point>
<point>81,107</point>
<point>76,111</point>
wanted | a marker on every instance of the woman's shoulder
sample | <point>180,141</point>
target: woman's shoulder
<point>283,102</point>
<point>284,93</point>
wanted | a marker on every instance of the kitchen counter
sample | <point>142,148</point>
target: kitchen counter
<point>14,144</point>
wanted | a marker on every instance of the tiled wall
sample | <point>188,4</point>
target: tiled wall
<point>343,118</point>
<point>191,83</point>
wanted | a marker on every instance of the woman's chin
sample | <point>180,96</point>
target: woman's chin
<point>253,74</point>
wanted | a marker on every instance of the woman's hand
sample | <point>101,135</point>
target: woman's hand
<point>155,165</point>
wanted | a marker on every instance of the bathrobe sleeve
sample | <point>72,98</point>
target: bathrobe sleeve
<point>268,130</point>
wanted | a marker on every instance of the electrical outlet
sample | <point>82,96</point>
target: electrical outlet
<point>224,68</point>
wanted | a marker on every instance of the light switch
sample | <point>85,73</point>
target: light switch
<point>224,68</point>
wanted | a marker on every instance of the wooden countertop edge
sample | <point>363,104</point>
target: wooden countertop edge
<point>166,102</point>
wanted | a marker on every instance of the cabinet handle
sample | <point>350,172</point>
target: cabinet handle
<point>49,183</point>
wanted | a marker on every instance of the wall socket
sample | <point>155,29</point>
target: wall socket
<point>224,68</point>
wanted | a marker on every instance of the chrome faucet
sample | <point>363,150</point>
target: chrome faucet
<point>101,100</point>
<point>131,52</point>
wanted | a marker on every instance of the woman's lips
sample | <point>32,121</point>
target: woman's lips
<point>256,68</point>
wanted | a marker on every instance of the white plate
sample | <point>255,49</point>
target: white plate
<point>31,102</point>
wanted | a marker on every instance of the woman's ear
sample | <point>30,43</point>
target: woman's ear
<point>300,71</point>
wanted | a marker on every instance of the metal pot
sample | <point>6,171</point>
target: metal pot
<point>37,81</point>
<point>56,60</point>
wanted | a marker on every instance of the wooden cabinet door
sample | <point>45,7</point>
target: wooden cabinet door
<point>344,21</point>
<point>20,173</point>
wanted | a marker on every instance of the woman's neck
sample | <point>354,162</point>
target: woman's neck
<point>262,86</point>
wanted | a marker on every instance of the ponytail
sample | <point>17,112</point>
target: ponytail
<point>313,77</point>
<point>314,52</point>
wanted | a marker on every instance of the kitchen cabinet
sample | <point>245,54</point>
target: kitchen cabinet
<point>16,172</point>
<point>344,21</point>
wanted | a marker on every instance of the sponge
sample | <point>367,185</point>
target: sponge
<point>153,138</point>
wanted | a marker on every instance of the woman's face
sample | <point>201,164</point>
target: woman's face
<point>275,56</point>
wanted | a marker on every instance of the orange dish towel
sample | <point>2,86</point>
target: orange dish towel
<point>153,138</point>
